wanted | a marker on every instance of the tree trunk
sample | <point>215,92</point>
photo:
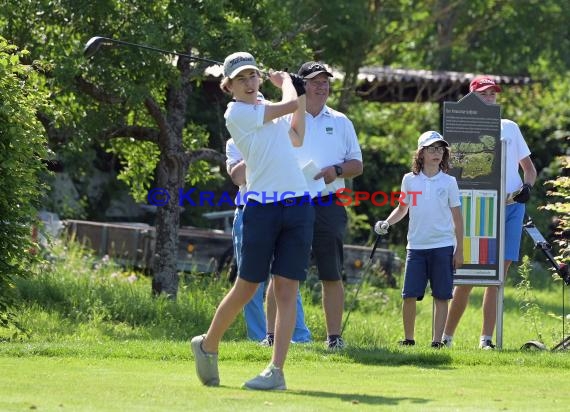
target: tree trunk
<point>348,87</point>
<point>446,17</point>
<point>171,170</point>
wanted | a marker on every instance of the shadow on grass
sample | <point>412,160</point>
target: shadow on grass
<point>355,399</point>
<point>350,398</point>
<point>428,358</point>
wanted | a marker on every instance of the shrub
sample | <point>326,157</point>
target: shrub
<point>22,148</point>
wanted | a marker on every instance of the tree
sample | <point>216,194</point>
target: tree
<point>22,149</point>
<point>344,34</point>
<point>128,93</point>
<point>132,102</point>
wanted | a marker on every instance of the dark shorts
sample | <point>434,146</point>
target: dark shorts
<point>435,265</point>
<point>330,228</point>
<point>276,239</point>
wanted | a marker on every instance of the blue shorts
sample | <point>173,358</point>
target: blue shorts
<point>514,216</point>
<point>435,265</point>
<point>276,239</point>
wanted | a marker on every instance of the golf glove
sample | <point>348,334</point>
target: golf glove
<point>524,195</point>
<point>298,83</point>
<point>381,227</point>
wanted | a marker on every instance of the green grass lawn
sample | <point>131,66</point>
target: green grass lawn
<point>97,377</point>
<point>97,341</point>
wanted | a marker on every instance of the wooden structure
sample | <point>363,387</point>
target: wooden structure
<point>386,84</point>
<point>396,85</point>
<point>132,244</point>
<point>201,250</point>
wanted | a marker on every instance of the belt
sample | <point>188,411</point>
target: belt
<point>291,201</point>
<point>327,199</point>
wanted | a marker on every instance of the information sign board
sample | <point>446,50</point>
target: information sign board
<point>473,130</point>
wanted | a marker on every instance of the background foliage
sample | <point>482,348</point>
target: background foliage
<point>22,148</point>
<point>529,38</point>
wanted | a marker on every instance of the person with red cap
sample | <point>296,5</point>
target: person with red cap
<point>518,193</point>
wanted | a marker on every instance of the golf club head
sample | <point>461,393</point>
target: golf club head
<point>93,45</point>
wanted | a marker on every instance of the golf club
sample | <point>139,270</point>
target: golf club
<point>363,278</point>
<point>561,270</point>
<point>95,43</point>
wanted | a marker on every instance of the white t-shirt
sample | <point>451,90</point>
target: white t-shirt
<point>233,157</point>
<point>517,149</point>
<point>330,139</point>
<point>272,172</point>
<point>431,223</point>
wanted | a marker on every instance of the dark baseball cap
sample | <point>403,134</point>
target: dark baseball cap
<point>310,69</point>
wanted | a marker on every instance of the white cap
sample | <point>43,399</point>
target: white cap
<point>236,62</point>
<point>429,138</point>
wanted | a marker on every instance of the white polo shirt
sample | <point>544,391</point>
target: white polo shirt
<point>233,157</point>
<point>330,139</point>
<point>517,149</point>
<point>272,172</point>
<point>431,224</point>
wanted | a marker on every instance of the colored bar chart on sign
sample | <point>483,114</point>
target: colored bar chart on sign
<point>479,210</point>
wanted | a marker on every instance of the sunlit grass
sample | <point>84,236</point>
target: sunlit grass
<point>96,339</point>
<point>76,297</point>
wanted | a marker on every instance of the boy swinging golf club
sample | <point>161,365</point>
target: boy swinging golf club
<point>277,218</point>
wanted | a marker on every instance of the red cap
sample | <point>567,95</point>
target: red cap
<point>480,83</point>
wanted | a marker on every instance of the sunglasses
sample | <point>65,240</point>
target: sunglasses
<point>434,149</point>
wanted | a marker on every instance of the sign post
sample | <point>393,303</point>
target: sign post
<point>473,130</point>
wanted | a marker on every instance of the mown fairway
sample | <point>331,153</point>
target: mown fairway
<point>109,380</point>
<point>97,341</point>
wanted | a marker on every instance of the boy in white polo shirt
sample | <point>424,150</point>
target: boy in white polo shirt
<point>257,325</point>
<point>435,234</point>
<point>278,216</point>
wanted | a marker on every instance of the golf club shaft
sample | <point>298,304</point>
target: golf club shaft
<point>94,43</point>
<point>365,270</point>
